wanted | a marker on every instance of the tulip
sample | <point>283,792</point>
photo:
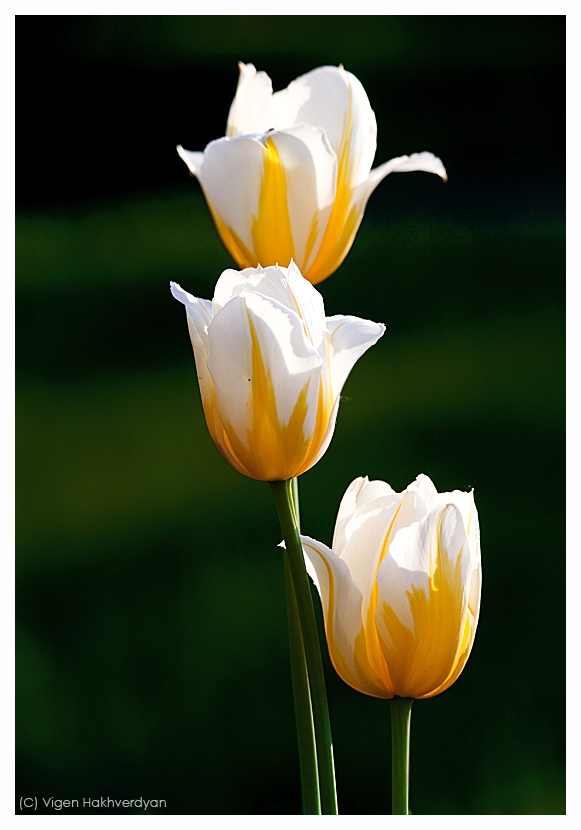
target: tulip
<point>292,176</point>
<point>271,367</point>
<point>401,587</point>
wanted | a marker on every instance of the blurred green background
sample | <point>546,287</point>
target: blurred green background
<point>152,655</point>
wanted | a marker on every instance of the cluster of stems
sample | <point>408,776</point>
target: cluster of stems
<point>308,680</point>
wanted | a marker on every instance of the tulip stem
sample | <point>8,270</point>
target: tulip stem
<point>282,492</point>
<point>302,700</point>
<point>401,714</point>
<point>301,693</point>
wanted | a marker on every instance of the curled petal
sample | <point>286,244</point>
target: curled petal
<point>426,162</point>
<point>341,601</point>
<point>192,159</point>
<point>349,338</point>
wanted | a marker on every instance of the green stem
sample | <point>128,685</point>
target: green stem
<point>302,700</point>
<point>401,714</point>
<point>282,493</point>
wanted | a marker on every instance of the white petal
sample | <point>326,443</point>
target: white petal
<point>309,305</point>
<point>326,438</point>
<point>336,101</point>
<point>192,159</point>
<point>286,286</point>
<point>426,162</point>
<point>420,498</point>
<point>341,601</point>
<point>310,171</point>
<point>230,178</point>
<point>359,492</point>
<point>199,317</point>
<point>365,536</point>
<point>251,110</point>
<point>287,356</point>
<point>349,338</point>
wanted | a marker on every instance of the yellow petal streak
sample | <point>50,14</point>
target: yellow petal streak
<point>271,229</point>
<point>271,450</point>
<point>357,672</point>
<point>374,651</point>
<point>242,256</point>
<point>272,239</point>
<point>423,660</point>
<point>344,219</point>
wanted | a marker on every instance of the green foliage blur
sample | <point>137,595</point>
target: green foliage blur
<point>152,654</point>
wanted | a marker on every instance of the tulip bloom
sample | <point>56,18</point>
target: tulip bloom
<point>401,587</point>
<point>271,367</point>
<point>292,177</point>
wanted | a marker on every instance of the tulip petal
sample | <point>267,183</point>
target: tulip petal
<point>285,286</point>
<point>308,165</point>
<point>465,503</point>
<point>230,177</point>
<point>360,492</point>
<point>341,601</point>
<point>378,516</point>
<point>251,110</point>
<point>426,162</point>
<point>325,428</point>
<point>331,98</point>
<point>267,379</point>
<point>199,316</point>
<point>421,616</point>
<point>192,159</point>
<point>349,338</point>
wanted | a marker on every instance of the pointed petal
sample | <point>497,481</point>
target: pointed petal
<point>251,110</point>
<point>199,317</point>
<point>341,601</point>
<point>426,162</point>
<point>349,338</point>
<point>193,160</point>
<point>422,606</point>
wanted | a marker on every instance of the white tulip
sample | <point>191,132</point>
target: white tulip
<point>400,587</point>
<point>271,367</point>
<point>292,176</point>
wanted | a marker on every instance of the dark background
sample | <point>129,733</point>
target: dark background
<point>152,657</point>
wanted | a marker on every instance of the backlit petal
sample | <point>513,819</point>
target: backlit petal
<point>358,494</point>
<point>251,110</point>
<point>341,601</point>
<point>199,317</point>
<point>308,168</point>
<point>422,609</point>
<point>426,162</point>
<point>266,375</point>
<point>192,159</point>
<point>349,338</point>
<point>231,178</point>
<point>336,101</point>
